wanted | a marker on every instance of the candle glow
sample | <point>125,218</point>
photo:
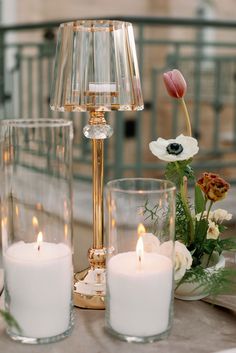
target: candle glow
<point>39,239</point>
<point>140,246</point>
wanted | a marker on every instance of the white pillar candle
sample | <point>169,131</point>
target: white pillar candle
<point>139,296</point>
<point>39,287</point>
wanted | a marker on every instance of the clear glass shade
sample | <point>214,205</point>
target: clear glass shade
<point>96,67</point>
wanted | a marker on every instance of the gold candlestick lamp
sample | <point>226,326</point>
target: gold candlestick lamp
<point>96,71</point>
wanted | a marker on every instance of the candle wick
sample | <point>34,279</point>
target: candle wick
<point>38,247</point>
<point>139,265</point>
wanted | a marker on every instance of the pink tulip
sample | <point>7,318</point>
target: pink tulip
<point>175,83</point>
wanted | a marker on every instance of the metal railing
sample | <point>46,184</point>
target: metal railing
<point>210,70</point>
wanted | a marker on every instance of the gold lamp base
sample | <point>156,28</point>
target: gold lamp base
<point>89,284</point>
<point>89,295</point>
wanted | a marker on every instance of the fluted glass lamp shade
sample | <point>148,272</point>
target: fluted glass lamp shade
<point>96,68</point>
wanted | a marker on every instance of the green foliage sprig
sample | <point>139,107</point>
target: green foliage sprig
<point>9,320</point>
<point>221,281</point>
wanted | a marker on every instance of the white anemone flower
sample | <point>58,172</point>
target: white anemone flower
<point>179,149</point>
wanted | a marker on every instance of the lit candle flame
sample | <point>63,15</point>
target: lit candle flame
<point>140,247</point>
<point>39,239</point>
<point>139,251</point>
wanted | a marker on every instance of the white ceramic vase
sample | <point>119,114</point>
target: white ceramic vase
<point>192,291</point>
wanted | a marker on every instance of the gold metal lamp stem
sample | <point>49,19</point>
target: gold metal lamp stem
<point>97,253</point>
<point>98,149</point>
<point>90,293</point>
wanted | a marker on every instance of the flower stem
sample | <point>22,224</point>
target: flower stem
<point>188,213</point>
<point>209,208</point>
<point>204,208</point>
<point>208,212</point>
<point>209,257</point>
<point>187,117</point>
<point>184,198</point>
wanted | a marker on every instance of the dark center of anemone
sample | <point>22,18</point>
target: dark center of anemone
<point>174,148</point>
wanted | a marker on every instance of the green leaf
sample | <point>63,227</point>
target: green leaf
<point>181,221</point>
<point>227,244</point>
<point>199,200</point>
<point>201,231</point>
<point>209,246</point>
<point>221,281</point>
<point>10,321</point>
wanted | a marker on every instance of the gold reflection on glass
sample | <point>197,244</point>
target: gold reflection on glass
<point>4,232</point>
<point>113,205</point>
<point>35,221</point>
<point>39,206</point>
<point>17,211</point>
<point>66,211</point>
<point>60,151</point>
<point>113,223</point>
<point>6,156</point>
<point>35,224</point>
<point>141,229</point>
<point>65,231</point>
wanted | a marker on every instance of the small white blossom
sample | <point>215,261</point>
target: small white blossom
<point>213,230</point>
<point>221,215</point>
<point>210,216</point>
<point>183,258</point>
<point>217,216</point>
<point>179,149</point>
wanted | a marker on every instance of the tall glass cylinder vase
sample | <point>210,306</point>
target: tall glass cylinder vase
<point>140,244</point>
<point>36,214</point>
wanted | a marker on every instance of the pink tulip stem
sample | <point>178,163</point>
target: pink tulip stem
<point>187,117</point>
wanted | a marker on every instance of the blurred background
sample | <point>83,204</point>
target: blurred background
<point>197,36</point>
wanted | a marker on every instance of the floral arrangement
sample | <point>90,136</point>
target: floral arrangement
<point>198,228</point>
